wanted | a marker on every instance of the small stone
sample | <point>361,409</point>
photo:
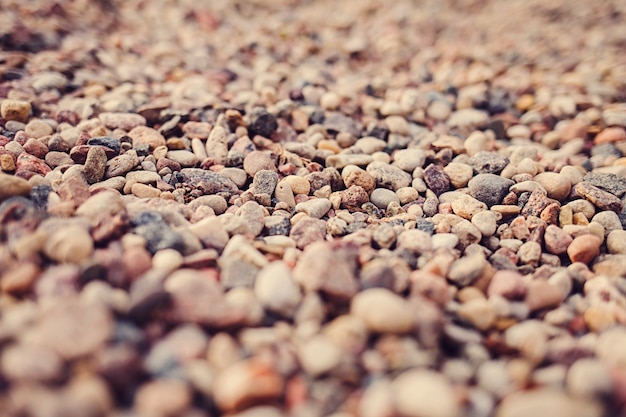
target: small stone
<point>467,233</point>
<point>38,128</point>
<point>616,242</point>
<point>185,158</point>
<point>11,186</point>
<point>537,202</point>
<point>610,135</point>
<point>17,110</point>
<point>541,294</point>
<point>397,124</point>
<point>589,378</point>
<point>413,392</point>
<point>486,222</point>
<point>381,197</point>
<point>276,289</point>
<point>319,355</point>
<point>529,253</point>
<point>315,207</point>
<point>383,311</point>
<point>608,182</point>
<point>556,240</point>
<point>601,199</point>
<point>256,161</point>
<point>95,165</point>
<point>389,176</point>
<point>466,270</point>
<point>436,179</point>
<point>298,185</point>
<point>307,231</point>
<point>478,313</point>
<point>262,123</point>
<point>584,248</point>
<point>71,244</point>
<point>557,186</point>
<point>145,191</point>
<point>328,268</point>
<point>29,362</point>
<point>459,174</point>
<point>342,160</point>
<point>245,383</point>
<point>467,206</point>
<point>489,188</point>
<point>265,181</point>
<point>30,163</point>
<point>143,135</point>
<point>488,162</point>
<point>48,80</point>
<point>121,164</point>
<point>163,398</point>
<point>468,118</point>
<point>124,121</point>
<point>508,284</point>
<point>547,401</point>
<point>409,159</point>
<point>417,241</point>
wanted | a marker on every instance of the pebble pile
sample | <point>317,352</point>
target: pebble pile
<point>291,208</point>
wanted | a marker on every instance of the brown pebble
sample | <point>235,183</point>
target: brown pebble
<point>584,248</point>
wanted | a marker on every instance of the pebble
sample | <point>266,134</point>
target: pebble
<point>459,174</point>
<point>556,240</point>
<point>468,118</point>
<point>276,289</point>
<point>17,110</point>
<point>382,311</point>
<point>616,242</point>
<point>95,165</point>
<point>257,161</point>
<point>124,121</point>
<point>488,162</point>
<point>120,165</point>
<point>381,197</point>
<point>245,383</point>
<point>298,185</point>
<point>466,270</point>
<point>388,176</point>
<point>608,182</point>
<point>409,159</point>
<point>413,391</point>
<point>547,401</point>
<point>489,188</point>
<point>185,158</point>
<point>486,222</point>
<point>11,186</point>
<point>316,207</point>
<point>508,284</point>
<point>71,244</point>
<point>143,135</point>
<point>37,128</point>
<point>557,186</point>
<point>29,362</point>
<point>601,199</point>
<point>584,248</point>
<point>319,355</point>
<point>467,207</point>
<point>163,398</point>
<point>436,179</point>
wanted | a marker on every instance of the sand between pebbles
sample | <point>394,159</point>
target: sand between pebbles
<point>292,208</point>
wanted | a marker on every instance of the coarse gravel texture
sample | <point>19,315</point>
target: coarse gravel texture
<point>291,208</point>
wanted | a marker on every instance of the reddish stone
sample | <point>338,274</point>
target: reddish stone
<point>28,162</point>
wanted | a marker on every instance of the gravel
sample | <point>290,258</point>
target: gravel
<point>312,208</point>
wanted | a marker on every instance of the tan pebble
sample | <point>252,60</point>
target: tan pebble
<point>163,398</point>
<point>330,100</point>
<point>167,260</point>
<point>506,210</point>
<point>476,142</point>
<point>478,312</point>
<point>71,244</point>
<point>467,206</point>
<point>598,319</point>
<point>383,311</point>
<point>557,186</point>
<point>616,241</point>
<point>298,185</point>
<point>11,186</point>
<point>17,110</point>
<point>20,278</point>
<point>580,219</point>
<point>566,216</point>
<point>329,145</point>
<point>414,390</point>
<point>584,248</point>
<point>141,135</point>
<point>145,191</point>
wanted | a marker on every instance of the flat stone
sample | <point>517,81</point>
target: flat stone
<point>143,135</point>
<point>17,110</point>
<point>608,182</point>
<point>601,199</point>
<point>11,186</point>
<point>185,158</point>
<point>547,401</point>
<point>488,162</point>
<point>389,176</point>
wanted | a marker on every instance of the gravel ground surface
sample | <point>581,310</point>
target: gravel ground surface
<point>312,208</point>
